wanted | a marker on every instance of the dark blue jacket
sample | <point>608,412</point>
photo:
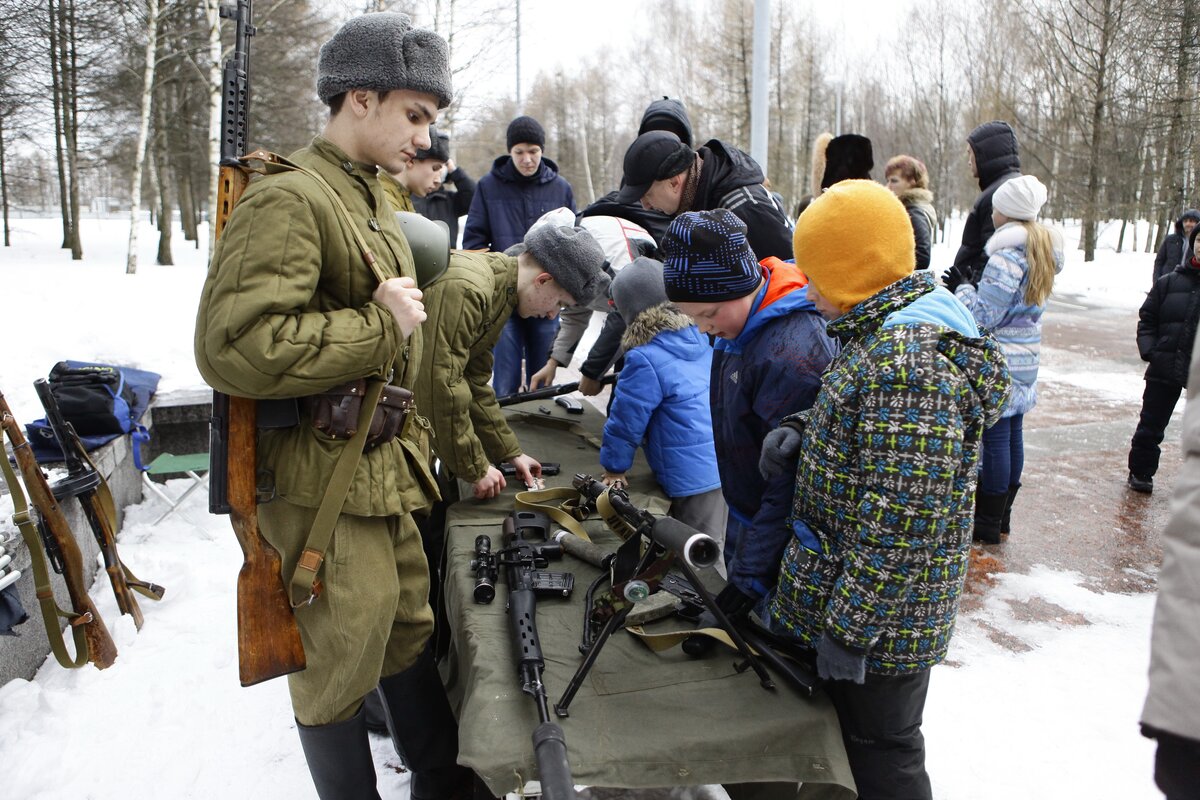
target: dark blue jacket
<point>663,399</point>
<point>506,204</point>
<point>772,369</point>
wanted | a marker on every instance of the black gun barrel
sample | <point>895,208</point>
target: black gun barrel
<point>548,391</point>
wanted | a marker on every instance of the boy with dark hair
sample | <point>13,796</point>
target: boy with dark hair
<point>291,309</point>
<point>555,267</point>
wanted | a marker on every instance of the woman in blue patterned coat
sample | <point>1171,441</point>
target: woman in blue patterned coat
<point>1023,258</point>
<point>888,454</point>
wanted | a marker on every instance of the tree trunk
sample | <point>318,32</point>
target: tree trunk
<point>70,85</point>
<point>1171,173</point>
<point>1099,100</point>
<point>162,169</point>
<point>4,188</point>
<point>135,183</point>
<point>56,82</point>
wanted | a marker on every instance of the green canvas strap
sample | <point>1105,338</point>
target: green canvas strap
<point>305,586</point>
<point>561,504</point>
<point>41,580</point>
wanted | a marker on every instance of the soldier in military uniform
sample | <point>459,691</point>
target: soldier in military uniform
<point>291,309</point>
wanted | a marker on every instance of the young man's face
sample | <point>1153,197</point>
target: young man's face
<point>392,130</point>
<point>665,196</point>
<point>526,158</point>
<point>423,176</point>
<point>1188,225</point>
<point>544,297</point>
<point>824,306</point>
<point>724,319</point>
<point>971,161</point>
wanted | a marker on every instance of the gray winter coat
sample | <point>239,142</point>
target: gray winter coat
<point>1173,703</point>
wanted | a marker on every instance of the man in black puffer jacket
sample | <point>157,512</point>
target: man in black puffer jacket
<point>1166,331</point>
<point>1170,255</point>
<point>994,158</point>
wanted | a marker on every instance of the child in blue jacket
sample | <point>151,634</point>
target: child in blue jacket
<point>661,401</point>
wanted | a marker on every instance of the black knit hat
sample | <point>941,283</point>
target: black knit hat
<point>439,146</point>
<point>525,130</point>
<point>707,258</point>
<point>848,157</point>
<point>381,52</point>
<point>667,114</point>
<point>653,156</point>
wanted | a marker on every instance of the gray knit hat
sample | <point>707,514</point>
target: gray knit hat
<point>637,287</point>
<point>572,256</point>
<point>383,51</point>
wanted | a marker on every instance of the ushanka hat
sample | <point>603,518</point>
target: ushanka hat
<point>382,52</point>
<point>847,157</point>
<point>846,262</point>
<point>439,146</point>
<point>571,256</point>
<point>708,259</point>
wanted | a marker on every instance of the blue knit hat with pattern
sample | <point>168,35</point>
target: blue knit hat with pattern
<point>707,258</point>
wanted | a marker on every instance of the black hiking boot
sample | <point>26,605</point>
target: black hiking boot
<point>1140,484</point>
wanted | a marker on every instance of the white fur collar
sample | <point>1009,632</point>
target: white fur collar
<point>1010,234</point>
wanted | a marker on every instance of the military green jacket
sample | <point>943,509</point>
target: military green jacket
<point>467,308</point>
<point>396,193</point>
<point>286,311</point>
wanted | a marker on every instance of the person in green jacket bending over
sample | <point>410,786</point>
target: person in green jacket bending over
<point>555,267</point>
<point>291,309</point>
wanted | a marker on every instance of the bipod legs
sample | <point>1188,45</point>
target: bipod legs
<point>610,626</point>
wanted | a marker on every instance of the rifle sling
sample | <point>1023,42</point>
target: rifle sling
<point>107,506</point>
<point>41,580</point>
<point>568,513</point>
<point>304,587</point>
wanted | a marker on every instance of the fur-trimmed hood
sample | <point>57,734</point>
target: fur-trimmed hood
<point>916,197</point>
<point>651,322</point>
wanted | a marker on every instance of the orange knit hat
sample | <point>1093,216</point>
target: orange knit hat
<point>854,240</point>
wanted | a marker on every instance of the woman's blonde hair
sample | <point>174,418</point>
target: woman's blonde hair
<point>1039,254</point>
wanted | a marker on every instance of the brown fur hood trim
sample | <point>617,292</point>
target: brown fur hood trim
<point>651,322</point>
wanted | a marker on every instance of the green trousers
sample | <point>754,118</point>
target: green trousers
<point>373,617</point>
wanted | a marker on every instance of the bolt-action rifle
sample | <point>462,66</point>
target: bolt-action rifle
<point>85,482</point>
<point>268,639</point>
<point>521,558</point>
<point>62,549</point>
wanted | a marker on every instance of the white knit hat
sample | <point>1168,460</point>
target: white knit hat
<point>1020,198</point>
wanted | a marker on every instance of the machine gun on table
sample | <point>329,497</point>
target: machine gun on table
<point>652,546</point>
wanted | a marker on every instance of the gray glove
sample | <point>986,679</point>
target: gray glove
<point>835,662</point>
<point>779,451</point>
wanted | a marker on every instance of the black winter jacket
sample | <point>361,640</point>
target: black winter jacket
<point>732,179</point>
<point>1170,255</point>
<point>996,160</point>
<point>1167,325</point>
<point>446,205</point>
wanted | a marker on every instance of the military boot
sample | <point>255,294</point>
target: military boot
<point>423,728</point>
<point>989,508</point>
<point>339,759</point>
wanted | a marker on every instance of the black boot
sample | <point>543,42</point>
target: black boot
<point>989,508</point>
<point>339,759</point>
<point>425,732</point>
<point>1012,495</point>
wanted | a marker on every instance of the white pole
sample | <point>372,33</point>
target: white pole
<point>760,123</point>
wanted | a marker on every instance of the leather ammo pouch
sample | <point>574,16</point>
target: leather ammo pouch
<point>335,412</point>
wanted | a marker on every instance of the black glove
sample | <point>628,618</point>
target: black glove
<point>779,450</point>
<point>837,663</point>
<point>734,602</point>
<point>956,275</point>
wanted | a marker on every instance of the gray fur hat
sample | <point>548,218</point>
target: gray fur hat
<point>383,51</point>
<point>638,287</point>
<point>439,146</point>
<point>572,256</point>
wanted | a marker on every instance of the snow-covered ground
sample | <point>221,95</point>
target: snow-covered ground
<point>170,720</point>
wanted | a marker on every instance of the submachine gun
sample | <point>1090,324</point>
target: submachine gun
<point>526,552</point>
<point>636,571</point>
<point>84,481</point>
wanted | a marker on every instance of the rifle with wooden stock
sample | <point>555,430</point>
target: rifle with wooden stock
<point>85,483</point>
<point>92,640</point>
<point>268,639</point>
